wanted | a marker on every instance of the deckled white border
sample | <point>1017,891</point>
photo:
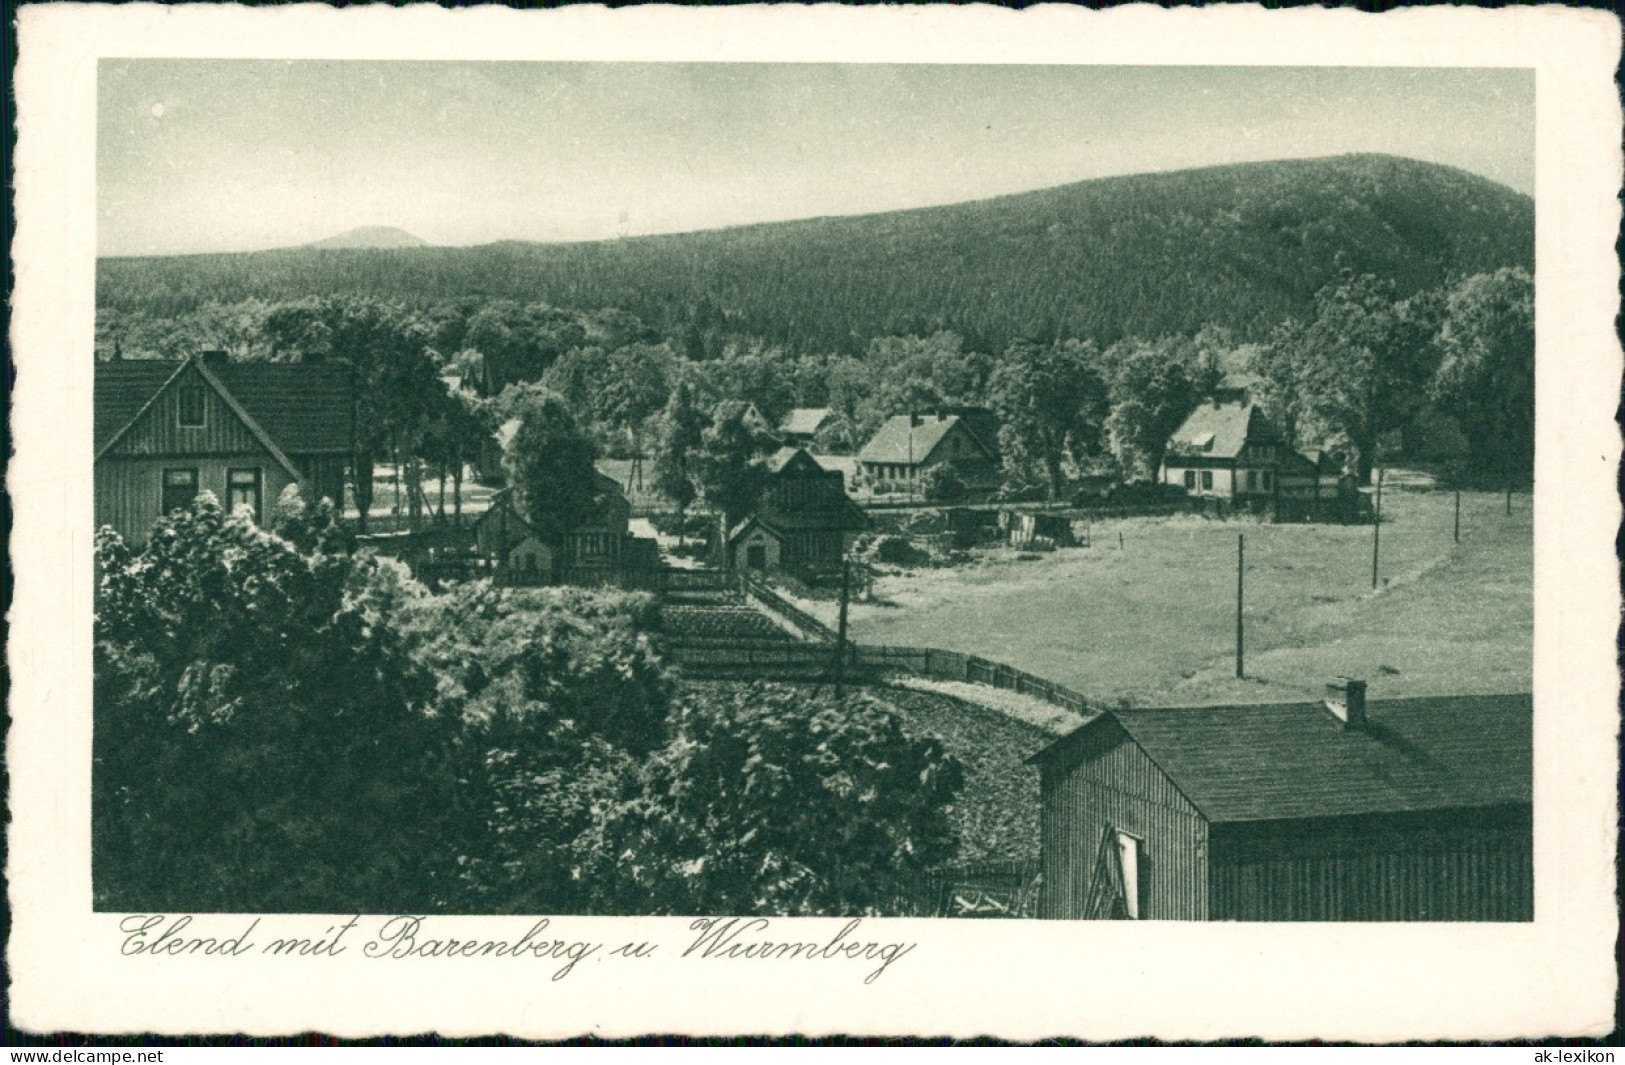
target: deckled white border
<point>1013,979</point>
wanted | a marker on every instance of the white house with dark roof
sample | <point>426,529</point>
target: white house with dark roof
<point>166,431</point>
<point>1229,449</point>
<point>907,445</point>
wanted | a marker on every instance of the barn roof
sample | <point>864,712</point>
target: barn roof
<point>900,441</point>
<point>303,407</point>
<point>1220,428</point>
<point>781,459</point>
<point>804,421</point>
<point>1294,760</point>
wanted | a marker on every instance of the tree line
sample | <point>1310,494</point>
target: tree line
<point>1444,373</point>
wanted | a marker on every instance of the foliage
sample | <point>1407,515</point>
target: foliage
<point>559,692</point>
<point>519,342</point>
<point>678,438</point>
<point>777,800</point>
<point>550,467</point>
<point>262,741</point>
<point>728,467</point>
<point>1052,404</point>
<point>1155,385</point>
<point>1355,370</point>
<point>1486,375</point>
<point>943,483</point>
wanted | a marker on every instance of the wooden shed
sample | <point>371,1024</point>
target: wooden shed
<point>1406,810</point>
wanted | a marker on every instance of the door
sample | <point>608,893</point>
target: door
<point>756,556</point>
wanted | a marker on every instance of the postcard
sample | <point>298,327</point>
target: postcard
<point>811,520</point>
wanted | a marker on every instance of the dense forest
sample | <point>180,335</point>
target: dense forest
<point>1240,247</point>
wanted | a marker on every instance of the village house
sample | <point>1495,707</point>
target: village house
<point>803,518</point>
<point>1403,810</point>
<point>802,424</point>
<point>600,551</point>
<point>166,431</point>
<point>907,445</point>
<point>1229,449</point>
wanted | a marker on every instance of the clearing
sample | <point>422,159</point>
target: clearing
<point>1153,622</point>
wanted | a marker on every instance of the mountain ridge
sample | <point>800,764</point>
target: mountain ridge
<point>1240,245</point>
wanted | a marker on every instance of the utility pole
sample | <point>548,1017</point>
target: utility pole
<point>1458,515</point>
<point>1241,562</point>
<point>840,632</point>
<point>1509,501</point>
<point>1376,530</point>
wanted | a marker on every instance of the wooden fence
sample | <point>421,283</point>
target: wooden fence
<point>771,602</point>
<point>865,663</point>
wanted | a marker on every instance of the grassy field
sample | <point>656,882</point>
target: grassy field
<point>1154,622</point>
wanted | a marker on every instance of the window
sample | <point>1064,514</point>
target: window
<point>1252,480</point>
<point>1207,478</point>
<point>180,488</point>
<point>1190,478</point>
<point>243,490</point>
<point>1269,480</point>
<point>1128,862</point>
<point>190,413</point>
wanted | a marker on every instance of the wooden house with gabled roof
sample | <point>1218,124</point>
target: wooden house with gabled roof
<point>1406,810</point>
<point>803,518</point>
<point>166,431</point>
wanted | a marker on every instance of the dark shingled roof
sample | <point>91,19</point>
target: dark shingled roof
<point>1294,760</point>
<point>303,407</point>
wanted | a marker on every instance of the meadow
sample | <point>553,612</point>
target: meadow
<point>1153,622</point>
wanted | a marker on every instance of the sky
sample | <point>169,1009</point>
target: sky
<point>235,155</point>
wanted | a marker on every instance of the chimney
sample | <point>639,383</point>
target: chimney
<point>212,359</point>
<point>1345,698</point>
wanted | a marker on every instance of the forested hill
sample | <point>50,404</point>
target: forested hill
<point>1241,246</point>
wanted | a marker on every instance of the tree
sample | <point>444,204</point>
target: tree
<point>679,437</point>
<point>636,387</point>
<point>458,429</point>
<point>1354,371</point>
<point>915,373</point>
<point>520,341</point>
<point>262,740</point>
<point>560,694</point>
<point>397,384</point>
<point>550,467</point>
<point>1154,387</point>
<point>729,465</point>
<point>774,799</point>
<point>1052,404</point>
<point>1486,376</point>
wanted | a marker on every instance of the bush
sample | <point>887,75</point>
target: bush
<point>943,483</point>
<point>772,799</point>
<point>897,551</point>
<point>263,741</point>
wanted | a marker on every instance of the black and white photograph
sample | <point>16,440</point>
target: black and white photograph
<point>742,492</point>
